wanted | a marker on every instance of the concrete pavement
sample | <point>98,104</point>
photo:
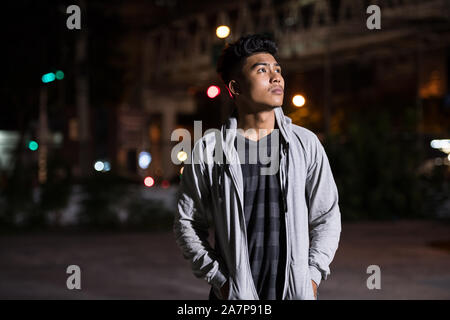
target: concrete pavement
<point>414,258</point>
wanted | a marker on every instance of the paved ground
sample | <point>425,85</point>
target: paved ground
<point>414,258</point>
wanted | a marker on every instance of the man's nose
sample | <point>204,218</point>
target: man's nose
<point>276,77</point>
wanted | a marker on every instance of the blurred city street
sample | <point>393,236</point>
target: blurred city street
<point>103,103</point>
<point>414,257</point>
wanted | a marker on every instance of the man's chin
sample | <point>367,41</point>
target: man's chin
<point>270,107</point>
<point>266,107</point>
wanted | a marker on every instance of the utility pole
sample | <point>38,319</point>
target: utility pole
<point>82,97</point>
<point>43,136</point>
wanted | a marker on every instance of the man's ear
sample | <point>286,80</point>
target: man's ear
<point>234,88</point>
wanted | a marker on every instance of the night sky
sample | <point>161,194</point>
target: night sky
<point>37,41</point>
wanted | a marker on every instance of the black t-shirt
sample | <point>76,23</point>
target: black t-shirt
<point>263,215</point>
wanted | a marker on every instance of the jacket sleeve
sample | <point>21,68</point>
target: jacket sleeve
<point>324,215</point>
<point>191,225</point>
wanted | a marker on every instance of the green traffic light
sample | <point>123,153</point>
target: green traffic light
<point>48,77</point>
<point>59,75</point>
<point>33,145</point>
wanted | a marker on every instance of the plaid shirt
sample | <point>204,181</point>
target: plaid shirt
<point>265,230</point>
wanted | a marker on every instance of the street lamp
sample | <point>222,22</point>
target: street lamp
<point>182,156</point>
<point>222,32</point>
<point>144,159</point>
<point>43,124</point>
<point>298,100</point>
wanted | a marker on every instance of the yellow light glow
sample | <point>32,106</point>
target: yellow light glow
<point>222,32</point>
<point>298,100</point>
<point>182,156</point>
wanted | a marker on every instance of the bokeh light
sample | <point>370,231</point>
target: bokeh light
<point>222,32</point>
<point>298,100</point>
<point>213,91</point>
<point>149,181</point>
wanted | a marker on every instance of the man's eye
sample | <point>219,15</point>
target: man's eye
<point>262,69</point>
<point>278,70</point>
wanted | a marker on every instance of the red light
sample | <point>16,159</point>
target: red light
<point>149,181</point>
<point>165,184</point>
<point>213,91</point>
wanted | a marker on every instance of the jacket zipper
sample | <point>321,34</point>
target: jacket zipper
<point>233,178</point>
<point>286,220</point>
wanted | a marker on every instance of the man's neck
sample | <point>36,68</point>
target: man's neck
<point>262,122</point>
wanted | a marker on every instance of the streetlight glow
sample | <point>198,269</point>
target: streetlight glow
<point>298,100</point>
<point>182,156</point>
<point>222,32</point>
<point>99,166</point>
<point>144,159</point>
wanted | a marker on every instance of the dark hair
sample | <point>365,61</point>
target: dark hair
<point>234,54</point>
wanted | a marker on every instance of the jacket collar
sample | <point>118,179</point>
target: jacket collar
<point>228,130</point>
<point>283,122</point>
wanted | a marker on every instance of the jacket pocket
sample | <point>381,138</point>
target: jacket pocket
<point>311,285</point>
<point>300,285</point>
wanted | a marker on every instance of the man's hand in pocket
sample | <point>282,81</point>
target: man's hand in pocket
<point>314,285</point>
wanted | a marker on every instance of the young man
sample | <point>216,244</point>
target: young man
<point>277,223</point>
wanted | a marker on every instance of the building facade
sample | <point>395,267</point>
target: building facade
<point>327,52</point>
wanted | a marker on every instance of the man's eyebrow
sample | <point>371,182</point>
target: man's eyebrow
<point>263,64</point>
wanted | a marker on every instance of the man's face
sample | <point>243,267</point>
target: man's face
<point>262,85</point>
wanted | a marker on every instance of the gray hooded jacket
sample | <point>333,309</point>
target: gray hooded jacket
<point>212,191</point>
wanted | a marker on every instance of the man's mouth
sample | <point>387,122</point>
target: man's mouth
<point>277,90</point>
